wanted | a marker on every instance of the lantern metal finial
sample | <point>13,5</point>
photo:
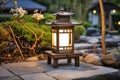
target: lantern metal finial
<point>62,9</point>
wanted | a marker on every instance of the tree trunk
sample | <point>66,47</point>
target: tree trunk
<point>15,4</point>
<point>71,5</point>
<point>103,27</point>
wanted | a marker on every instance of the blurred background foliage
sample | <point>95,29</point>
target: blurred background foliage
<point>79,7</point>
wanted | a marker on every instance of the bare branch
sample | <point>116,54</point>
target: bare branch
<point>37,38</point>
<point>13,35</point>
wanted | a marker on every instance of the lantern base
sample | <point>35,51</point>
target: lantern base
<point>55,57</point>
<point>62,51</point>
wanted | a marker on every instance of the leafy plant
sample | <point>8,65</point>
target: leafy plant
<point>28,32</point>
<point>79,30</point>
<point>87,24</point>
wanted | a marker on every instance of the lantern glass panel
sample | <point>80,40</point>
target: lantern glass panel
<point>54,38</point>
<point>65,39</point>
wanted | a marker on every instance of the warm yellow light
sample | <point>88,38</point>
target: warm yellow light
<point>113,11</point>
<point>54,40</point>
<point>64,39</point>
<point>118,22</point>
<point>94,11</point>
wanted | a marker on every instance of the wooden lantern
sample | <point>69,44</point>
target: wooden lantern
<point>63,32</point>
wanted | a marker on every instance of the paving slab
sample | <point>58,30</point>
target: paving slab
<point>69,71</point>
<point>40,70</point>
<point>10,78</point>
<point>4,72</point>
<point>77,74</point>
<point>37,76</point>
<point>23,68</point>
<point>63,65</point>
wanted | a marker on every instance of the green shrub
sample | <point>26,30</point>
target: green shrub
<point>27,35</point>
<point>46,39</point>
<point>4,34</point>
<point>79,30</point>
<point>28,18</point>
<point>87,24</point>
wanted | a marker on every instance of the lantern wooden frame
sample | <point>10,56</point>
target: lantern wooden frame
<point>62,27</point>
<point>58,45</point>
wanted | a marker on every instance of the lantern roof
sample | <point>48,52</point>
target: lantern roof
<point>63,19</point>
<point>63,24</point>
<point>63,13</point>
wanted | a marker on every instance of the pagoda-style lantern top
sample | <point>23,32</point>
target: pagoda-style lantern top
<point>63,32</point>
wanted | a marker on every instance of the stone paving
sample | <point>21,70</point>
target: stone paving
<point>5,72</point>
<point>39,70</point>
